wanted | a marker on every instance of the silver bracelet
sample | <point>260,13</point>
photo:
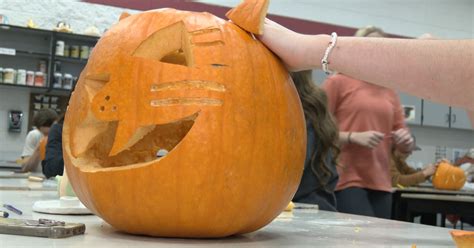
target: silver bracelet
<point>324,61</point>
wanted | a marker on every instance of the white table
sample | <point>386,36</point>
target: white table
<point>302,228</point>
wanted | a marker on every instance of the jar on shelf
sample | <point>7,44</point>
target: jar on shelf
<point>9,76</point>
<point>57,66</point>
<point>58,80</point>
<point>67,81</point>
<point>84,52</point>
<point>42,67</point>
<point>66,50</point>
<point>39,79</point>
<point>21,77</point>
<point>30,78</point>
<point>74,51</point>
<point>59,48</point>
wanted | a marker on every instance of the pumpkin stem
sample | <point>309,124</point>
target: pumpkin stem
<point>250,15</point>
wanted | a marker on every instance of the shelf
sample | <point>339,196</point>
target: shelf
<point>36,89</point>
<point>73,36</point>
<point>71,60</point>
<point>28,54</point>
<point>23,86</point>
<point>25,29</point>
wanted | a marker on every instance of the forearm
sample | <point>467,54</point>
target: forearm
<point>412,179</point>
<point>427,68</point>
<point>31,162</point>
<point>344,138</point>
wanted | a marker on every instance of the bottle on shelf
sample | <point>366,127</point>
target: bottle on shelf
<point>58,80</point>
<point>30,78</point>
<point>21,77</point>
<point>39,79</point>
<point>9,76</point>
<point>60,48</point>
<point>67,81</point>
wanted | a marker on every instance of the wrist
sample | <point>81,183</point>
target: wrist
<point>319,43</point>
<point>349,140</point>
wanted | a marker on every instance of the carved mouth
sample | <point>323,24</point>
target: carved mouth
<point>105,137</point>
<point>163,137</point>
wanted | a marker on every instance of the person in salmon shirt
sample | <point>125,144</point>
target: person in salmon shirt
<point>371,122</point>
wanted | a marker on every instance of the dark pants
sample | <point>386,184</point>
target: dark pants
<point>364,202</point>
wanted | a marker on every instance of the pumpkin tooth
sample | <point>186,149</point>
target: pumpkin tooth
<point>126,137</point>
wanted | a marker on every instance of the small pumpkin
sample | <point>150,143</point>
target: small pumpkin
<point>221,104</point>
<point>463,239</point>
<point>448,177</point>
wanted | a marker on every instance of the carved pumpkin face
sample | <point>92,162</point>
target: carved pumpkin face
<point>449,177</point>
<point>216,99</point>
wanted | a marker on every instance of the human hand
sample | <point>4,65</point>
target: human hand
<point>429,170</point>
<point>297,51</point>
<point>369,139</point>
<point>403,140</point>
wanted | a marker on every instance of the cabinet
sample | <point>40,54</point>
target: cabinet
<point>459,119</point>
<point>32,49</point>
<point>440,115</point>
<point>435,114</point>
<point>35,50</point>
<point>412,107</point>
<point>428,113</point>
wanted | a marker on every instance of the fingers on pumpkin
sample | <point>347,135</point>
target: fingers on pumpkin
<point>250,15</point>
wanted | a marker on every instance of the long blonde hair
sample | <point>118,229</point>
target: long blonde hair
<point>366,31</point>
<point>314,101</point>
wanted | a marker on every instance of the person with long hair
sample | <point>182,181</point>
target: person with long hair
<point>371,122</point>
<point>320,175</point>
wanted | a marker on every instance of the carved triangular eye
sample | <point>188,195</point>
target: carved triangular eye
<point>170,44</point>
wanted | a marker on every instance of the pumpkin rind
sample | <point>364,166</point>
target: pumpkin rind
<point>448,177</point>
<point>231,168</point>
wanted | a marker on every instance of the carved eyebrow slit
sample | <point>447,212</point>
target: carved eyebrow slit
<point>211,36</point>
<point>188,84</point>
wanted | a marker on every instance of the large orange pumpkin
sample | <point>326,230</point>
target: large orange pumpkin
<point>216,99</point>
<point>449,177</point>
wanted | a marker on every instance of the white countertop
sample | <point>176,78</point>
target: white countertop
<point>25,184</point>
<point>301,228</point>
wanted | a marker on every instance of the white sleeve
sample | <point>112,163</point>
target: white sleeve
<point>32,141</point>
